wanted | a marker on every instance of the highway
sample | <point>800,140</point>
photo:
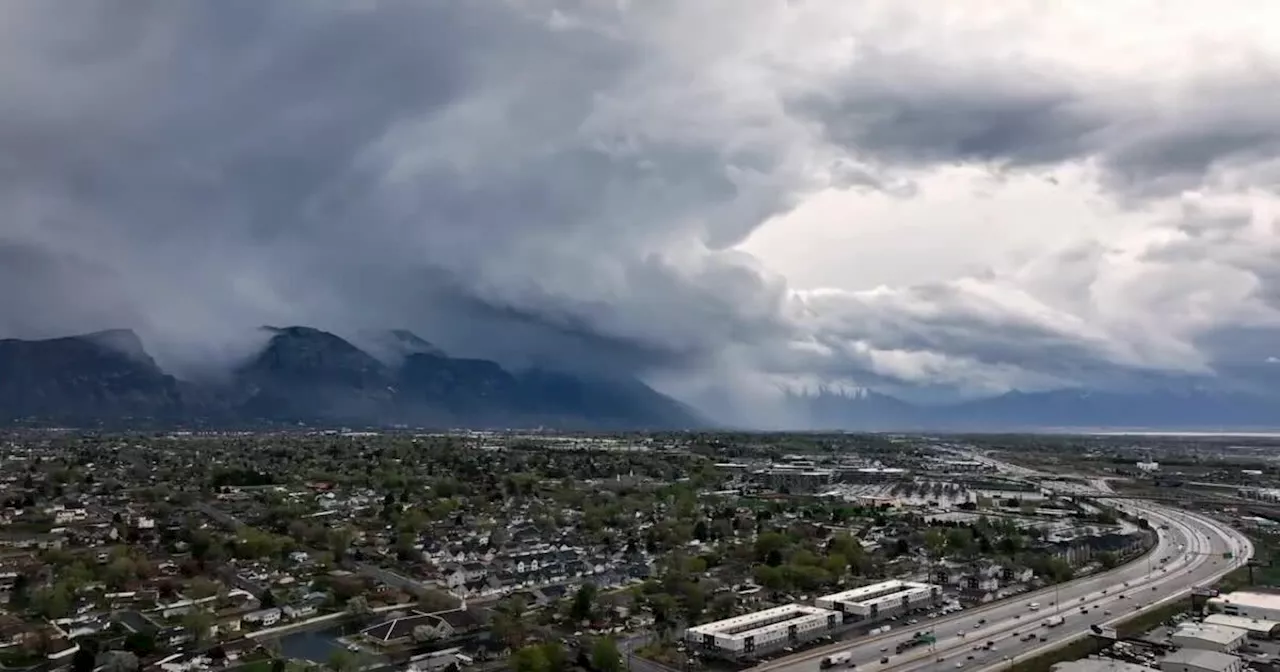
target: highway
<point>961,637</point>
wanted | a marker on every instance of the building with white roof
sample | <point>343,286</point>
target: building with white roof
<point>881,600</point>
<point>1199,660</point>
<point>1220,638</point>
<point>1258,628</point>
<point>762,631</point>
<point>1250,605</point>
<point>1099,665</point>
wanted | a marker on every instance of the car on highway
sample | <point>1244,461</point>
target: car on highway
<point>884,661</point>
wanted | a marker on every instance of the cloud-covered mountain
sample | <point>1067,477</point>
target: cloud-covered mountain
<point>305,375</point>
<point>1066,410</point>
<point>871,193</point>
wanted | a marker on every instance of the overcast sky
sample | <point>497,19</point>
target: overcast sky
<point>913,196</point>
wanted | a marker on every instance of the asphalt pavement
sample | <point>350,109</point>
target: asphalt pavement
<point>962,638</point>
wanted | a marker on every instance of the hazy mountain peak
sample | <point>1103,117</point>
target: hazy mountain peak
<point>392,346</point>
<point>123,341</point>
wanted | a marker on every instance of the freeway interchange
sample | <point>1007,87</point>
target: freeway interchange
<point>1195,547</point>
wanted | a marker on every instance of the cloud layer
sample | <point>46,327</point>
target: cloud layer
<point>697,191</point>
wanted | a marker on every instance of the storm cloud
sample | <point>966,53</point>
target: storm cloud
<point>579,182</point>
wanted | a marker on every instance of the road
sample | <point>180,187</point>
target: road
<point>1004,624</point>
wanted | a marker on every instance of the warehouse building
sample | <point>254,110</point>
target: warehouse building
<point>1258,628</point>
<point>1249,605</point>
<point>1220,638</point>
<point>1099,665</point>
<point>762,632</point>
<point>1197,660</point>
<point>881,600</point>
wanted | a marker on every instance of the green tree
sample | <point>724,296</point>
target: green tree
<point>199,624</point>
<point>935,542</point>
<point>530,659</point>
<point>358,606</point>
<point>583,601</point>
<point>605,655</point>
<point>342,660</point>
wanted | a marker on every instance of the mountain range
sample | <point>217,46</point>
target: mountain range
<point>1176,407</point>
<point>308,376</point>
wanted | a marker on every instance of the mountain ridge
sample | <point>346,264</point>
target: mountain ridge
<point>304,375</point>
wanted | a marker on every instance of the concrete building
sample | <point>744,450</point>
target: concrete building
<point>763,631</point>
<point>1258,628</point>
<point>1148,467</point>
<point>1199,660</point>
<point>1099,665</point>
<point>881,600</point>
<point>794,479</point>
<point>1220,638</point>
<point>1250,605</point>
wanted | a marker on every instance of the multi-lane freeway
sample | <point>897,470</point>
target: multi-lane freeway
<point>997,635</point>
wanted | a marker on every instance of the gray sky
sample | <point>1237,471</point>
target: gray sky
<point>721,196</point>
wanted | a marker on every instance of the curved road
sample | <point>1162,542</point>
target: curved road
<point>1194,545</point>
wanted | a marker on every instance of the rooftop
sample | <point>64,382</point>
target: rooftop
<point>1208,660</point>
<point>866,592</point>
<point>738,624</point>
<point>1219,634</point>
<point>1243,622</point>
<point>1099,665</point>
<point>1248,599</point>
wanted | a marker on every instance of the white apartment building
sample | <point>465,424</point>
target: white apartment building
<point>881,600</point>
<point>771,629</point>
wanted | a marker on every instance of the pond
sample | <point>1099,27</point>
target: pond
<point>315,645</point>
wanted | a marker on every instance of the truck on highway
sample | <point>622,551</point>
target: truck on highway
<point>880,630</point>
<point>1054,621</point>
<point>836,660</point>
<point>920,639</point>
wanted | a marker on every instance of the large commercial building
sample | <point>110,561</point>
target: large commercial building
<point>1220,638</point>
<point>794,478</point>
<point>1250,605</point>
<point>1196,660</point>
<point>1258,628</point>
<point>1099,665</point>
<point>881,600</point>
<point>763,631</point>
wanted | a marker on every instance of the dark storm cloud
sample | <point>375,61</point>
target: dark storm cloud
<point>913,108</point>
<point>544,182</point>
<point>231,164</point>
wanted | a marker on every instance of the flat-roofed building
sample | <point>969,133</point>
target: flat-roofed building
<point>1099,665</point>
<point>1247,604</point>
<point>1199,660</point>
<point>763,631</point>
<point>881,600</point>
<point>1220,638</point>
<point>1258,628</point>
